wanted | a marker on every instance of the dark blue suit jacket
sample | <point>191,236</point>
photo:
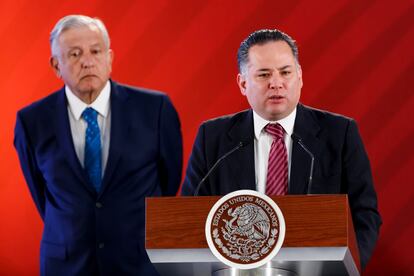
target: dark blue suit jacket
<point>86,233</point>
<point>341,164</point>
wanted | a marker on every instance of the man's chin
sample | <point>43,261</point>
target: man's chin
<point>90,87</point>
<point>88,90</point>
<point>275,114</point>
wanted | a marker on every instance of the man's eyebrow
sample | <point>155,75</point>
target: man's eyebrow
<point>269,69</point>
<point>284,67</point>
<point>74,48</point>
<point>97,44</point>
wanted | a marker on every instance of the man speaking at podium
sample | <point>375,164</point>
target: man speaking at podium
<point>281,146</point>
<point>91,152</point>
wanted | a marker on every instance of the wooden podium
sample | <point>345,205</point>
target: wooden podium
<point>320,239</point>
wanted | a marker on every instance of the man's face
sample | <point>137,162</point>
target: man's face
<point>271,80</point>
<point>82,60</point>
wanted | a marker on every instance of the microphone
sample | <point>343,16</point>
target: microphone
<point>297,139</point>
<point>236,148</point>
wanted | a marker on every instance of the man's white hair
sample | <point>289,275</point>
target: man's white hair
<point>76,21</point>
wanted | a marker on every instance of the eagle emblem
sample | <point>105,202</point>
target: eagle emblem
<point>245,229</point>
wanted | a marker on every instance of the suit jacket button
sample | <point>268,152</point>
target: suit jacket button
<point>98,205</point>
<point>101,245</point>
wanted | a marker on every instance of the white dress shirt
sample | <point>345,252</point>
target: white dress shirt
<point>263,142</point>
<point>78,125</point>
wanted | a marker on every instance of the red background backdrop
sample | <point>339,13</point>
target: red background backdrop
<point>357,58</point>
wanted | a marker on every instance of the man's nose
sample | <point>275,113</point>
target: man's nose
<point>87,60</point>
<point>275,82</point>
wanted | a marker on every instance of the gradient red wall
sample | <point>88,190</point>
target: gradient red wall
<point>357,58</point>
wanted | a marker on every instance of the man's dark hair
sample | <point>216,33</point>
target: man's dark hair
<point>261,37</point>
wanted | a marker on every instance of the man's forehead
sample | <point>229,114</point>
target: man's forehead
<point>277,61</point>
<point>86,32</point>
<point>270,57</point>
<point>271,49</point>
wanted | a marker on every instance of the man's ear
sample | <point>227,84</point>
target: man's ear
<point>54,63</point>
<point>110,58</point>
<point>111,55</point>
<point>300,75</point>
<point>241,81</point>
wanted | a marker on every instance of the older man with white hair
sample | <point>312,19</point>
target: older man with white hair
<point>90,153</point>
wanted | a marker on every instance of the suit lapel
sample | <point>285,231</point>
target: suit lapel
<point>119,129</point>
<point>65,140</point>
<point>242,168</point>
<point>307,128</point>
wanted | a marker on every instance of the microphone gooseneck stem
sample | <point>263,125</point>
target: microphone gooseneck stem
<point>299,141</point>
<point>239,145</point>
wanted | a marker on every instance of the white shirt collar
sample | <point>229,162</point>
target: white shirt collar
<point>287,123</point>
<point>101,103</point>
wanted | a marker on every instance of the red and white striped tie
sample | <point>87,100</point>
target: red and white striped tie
<point>277,169</point>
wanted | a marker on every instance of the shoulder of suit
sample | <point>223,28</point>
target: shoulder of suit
<point>228,119</point>
<point>137,91</point>
<point>42,105</point>
<point>324,116</point>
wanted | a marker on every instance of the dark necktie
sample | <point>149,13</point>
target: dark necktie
<point>93,148</point>
<point>277,169</point>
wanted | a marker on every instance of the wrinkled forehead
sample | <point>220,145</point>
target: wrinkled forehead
<point>82,37</point>
<point>75,34</point>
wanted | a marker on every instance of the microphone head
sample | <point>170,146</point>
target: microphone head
<point>296,137</point>
<point>245,142</point>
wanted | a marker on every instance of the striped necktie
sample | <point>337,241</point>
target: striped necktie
<point>93,157</point>
<point>277,169</point>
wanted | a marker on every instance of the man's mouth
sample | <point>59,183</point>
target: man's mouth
<point>275,97</point>
<point>87,76</point>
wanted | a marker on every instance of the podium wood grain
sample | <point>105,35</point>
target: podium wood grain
<point>311,221</point>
